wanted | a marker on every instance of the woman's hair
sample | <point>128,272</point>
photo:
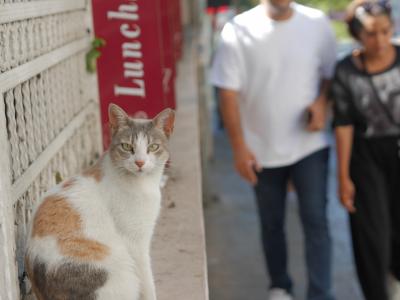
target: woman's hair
<point>359,9</point>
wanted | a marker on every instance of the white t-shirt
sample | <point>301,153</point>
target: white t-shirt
<point>277,67</point>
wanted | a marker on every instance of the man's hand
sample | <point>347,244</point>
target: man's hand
<point>245,161</point>
<point>317,114</point>
<point>246,164</point>
<point>346,193</point>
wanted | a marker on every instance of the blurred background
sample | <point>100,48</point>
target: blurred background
<point>235,261</point>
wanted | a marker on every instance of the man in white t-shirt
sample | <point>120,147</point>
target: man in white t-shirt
<point>272,68</point>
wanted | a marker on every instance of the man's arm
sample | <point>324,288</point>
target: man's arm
<point>318,111</point>
<point>244,159</point>
<point>327,53</point>
<point>325,85</point>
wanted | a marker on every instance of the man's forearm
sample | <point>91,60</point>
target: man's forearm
<point>324,88</point>
<point>230,114</point>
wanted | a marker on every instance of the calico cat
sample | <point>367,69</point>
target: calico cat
<point>90,235</point>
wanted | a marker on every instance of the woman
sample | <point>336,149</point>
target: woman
<point>366,94</point>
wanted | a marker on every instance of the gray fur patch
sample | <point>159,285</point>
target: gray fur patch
<point>131,131</point>
<point>68,282</point>
<point>129,134</point>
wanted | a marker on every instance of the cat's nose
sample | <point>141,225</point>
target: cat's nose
<point>139,163</point>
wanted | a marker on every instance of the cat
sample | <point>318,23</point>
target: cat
<point>90,235</point>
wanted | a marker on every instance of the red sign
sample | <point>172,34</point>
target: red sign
<point>131,68</point>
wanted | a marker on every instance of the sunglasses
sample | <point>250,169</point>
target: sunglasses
<point>375,7</point>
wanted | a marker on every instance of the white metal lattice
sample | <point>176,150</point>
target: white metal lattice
<point>49,115</point>
<point>25,40</point>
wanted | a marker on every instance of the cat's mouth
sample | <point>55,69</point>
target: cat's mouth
<point>139,171</point>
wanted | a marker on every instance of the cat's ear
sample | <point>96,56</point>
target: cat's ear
<point>116,116</point>
<point>165,121</point>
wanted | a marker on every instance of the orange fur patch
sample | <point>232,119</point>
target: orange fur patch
<point>83,248</point>
<point>94,171</point>
<point>57,218</point>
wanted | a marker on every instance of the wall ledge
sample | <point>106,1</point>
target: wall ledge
<point>179,252</point>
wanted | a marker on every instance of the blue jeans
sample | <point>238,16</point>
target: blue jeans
<point>309,177</point>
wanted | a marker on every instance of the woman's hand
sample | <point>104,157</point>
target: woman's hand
<point>346,193</point>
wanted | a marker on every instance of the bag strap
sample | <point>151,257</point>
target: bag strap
<point>375,91</point>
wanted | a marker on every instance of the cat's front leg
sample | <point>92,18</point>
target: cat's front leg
<point>148,289</point>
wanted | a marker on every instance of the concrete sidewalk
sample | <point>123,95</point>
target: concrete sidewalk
<point>235,260</point>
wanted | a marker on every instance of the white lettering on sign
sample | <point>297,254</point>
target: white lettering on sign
<point>130,34</point>
<point>131,51</point>
<point>125,12</point>
<point>131,91</point>
<point>133,69</point>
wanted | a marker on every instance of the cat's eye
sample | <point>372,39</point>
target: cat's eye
<point>127,147</point>
<point>153,147</point>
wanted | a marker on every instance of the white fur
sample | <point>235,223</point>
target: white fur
<point>120,212</point>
